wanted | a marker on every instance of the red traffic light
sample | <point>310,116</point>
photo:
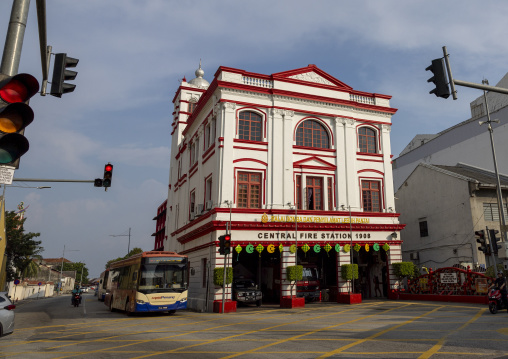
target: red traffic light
<point>19,88</point>
<point>108,168</point>
<point>227,237</point>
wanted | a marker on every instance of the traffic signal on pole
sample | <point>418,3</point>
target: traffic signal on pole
<point>108,174</point>
<point>227,244</point>
<point>97,182</point>
<point>480,238</point>
<point>439,79</point>
<point>61,74</point>
<point>221,244</point>
<point>494,239</point>
<point>15,115</point>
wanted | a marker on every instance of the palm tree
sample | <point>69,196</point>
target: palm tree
<point>32,268</point>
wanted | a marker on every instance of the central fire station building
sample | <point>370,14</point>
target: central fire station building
<point>296,166</point>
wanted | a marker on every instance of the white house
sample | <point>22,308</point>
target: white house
<point>283,162</point>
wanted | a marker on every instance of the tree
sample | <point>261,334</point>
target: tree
<point>403,270</point>
<point>133,251</point>
<point>21,248</point>
<point>78,267</point>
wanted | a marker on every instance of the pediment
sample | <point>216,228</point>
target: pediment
<point>314,162</point>
<point>311,74</point>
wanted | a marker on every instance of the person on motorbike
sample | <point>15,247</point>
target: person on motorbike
<point>500,283</point>
<point>76,290</point>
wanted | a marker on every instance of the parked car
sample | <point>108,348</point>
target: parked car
<point>246,291</point>
<point>6,314</point>
<point>84,289</point>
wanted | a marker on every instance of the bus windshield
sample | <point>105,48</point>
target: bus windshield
<point>163,278</point>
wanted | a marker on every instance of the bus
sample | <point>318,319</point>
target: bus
<point>102,287</point>
<point>153,281</point>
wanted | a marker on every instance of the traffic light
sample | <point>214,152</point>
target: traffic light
<point>439,79</point>
<point>480,238</point>
<point>15,115</point>
<point>227,244</point>
<point>108,174</point>
<point>97,182</point>
<point>221,244</point>
<point>61,74</point>
<point>494,239</point>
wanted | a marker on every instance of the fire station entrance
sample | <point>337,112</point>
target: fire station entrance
<point>372,273</point>
<point>319,273</point>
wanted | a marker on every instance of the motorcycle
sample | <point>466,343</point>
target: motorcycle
<point>495,301</point>
<point>76,299</point>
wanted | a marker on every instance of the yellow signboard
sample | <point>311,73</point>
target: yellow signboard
<point>312,219</point>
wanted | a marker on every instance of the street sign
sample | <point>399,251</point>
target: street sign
<point>6,174</point>
<point>16,281</point>
<point>39,284</point>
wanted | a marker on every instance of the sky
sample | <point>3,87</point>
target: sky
<point>132,55</point>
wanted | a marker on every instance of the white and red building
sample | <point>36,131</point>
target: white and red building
<point>252,152</point>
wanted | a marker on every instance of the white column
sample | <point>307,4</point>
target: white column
<point>286,287</point>
<point>342,258</point>
<point>287,166</point>
<point>387,166</point>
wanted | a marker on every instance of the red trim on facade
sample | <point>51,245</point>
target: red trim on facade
<point>315,149</point>
<point>369,160</point>
<point>250,142</point>
<point>330,132</point>
<point>210,156</point>
<point>250,160</point>
<point>251,148</point>
<point>326,165</point>
<point>371,170</point>
<point>254,109</point>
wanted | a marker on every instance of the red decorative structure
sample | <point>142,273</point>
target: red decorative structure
<point>448,284</point>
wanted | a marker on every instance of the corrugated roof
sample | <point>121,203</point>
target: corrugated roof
<point>474,173</point>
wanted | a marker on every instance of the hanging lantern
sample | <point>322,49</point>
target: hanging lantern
<point>249,249</point>
<point>270,248</point>
<point>317,248</point>
<point>367,247</point>
<point>281,248</point>
<point>305,248</point>
<point>337,248</point>
<point>386,247</point>
<point>328,247</point>
<point>260,248</point>
<point>347,248</point>
<point>293,248</point>
<point>376,247</point>
<point>238,249</point>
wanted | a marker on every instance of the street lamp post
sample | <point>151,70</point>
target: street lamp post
<point>61,267</point>
<point>124,235</point>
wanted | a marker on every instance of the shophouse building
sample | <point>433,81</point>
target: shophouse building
<point>296,166</point>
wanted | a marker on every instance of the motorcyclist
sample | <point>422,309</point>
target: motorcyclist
<point>76,290</point>
<point>500,283</point>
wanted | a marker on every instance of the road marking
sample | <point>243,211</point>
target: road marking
<point>441,341</point>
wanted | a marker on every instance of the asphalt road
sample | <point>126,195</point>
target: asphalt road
<point>52,328</point>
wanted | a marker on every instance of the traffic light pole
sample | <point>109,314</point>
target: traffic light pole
<point>485,87</point>
<point>14,39</point>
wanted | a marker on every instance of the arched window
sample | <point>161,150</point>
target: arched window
<point>311,133</point>
<point>249,126</point>
<point>367,140</point>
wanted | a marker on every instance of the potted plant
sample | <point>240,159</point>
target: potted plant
<point>293,274</point>
<point>403,270</point>
<point>348,273</point>
<point>218,280</point>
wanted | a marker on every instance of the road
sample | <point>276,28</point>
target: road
<point>52,328</point>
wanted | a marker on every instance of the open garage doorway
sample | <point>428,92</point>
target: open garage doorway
<point>372,273</point>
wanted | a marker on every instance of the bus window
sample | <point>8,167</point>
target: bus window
<point>154,277</point>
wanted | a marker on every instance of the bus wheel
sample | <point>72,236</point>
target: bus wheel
<point>171,312</point>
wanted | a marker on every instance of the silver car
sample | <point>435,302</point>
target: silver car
<point>6,314</point>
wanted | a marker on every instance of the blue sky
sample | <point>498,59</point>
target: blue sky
<point>133,53</point>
